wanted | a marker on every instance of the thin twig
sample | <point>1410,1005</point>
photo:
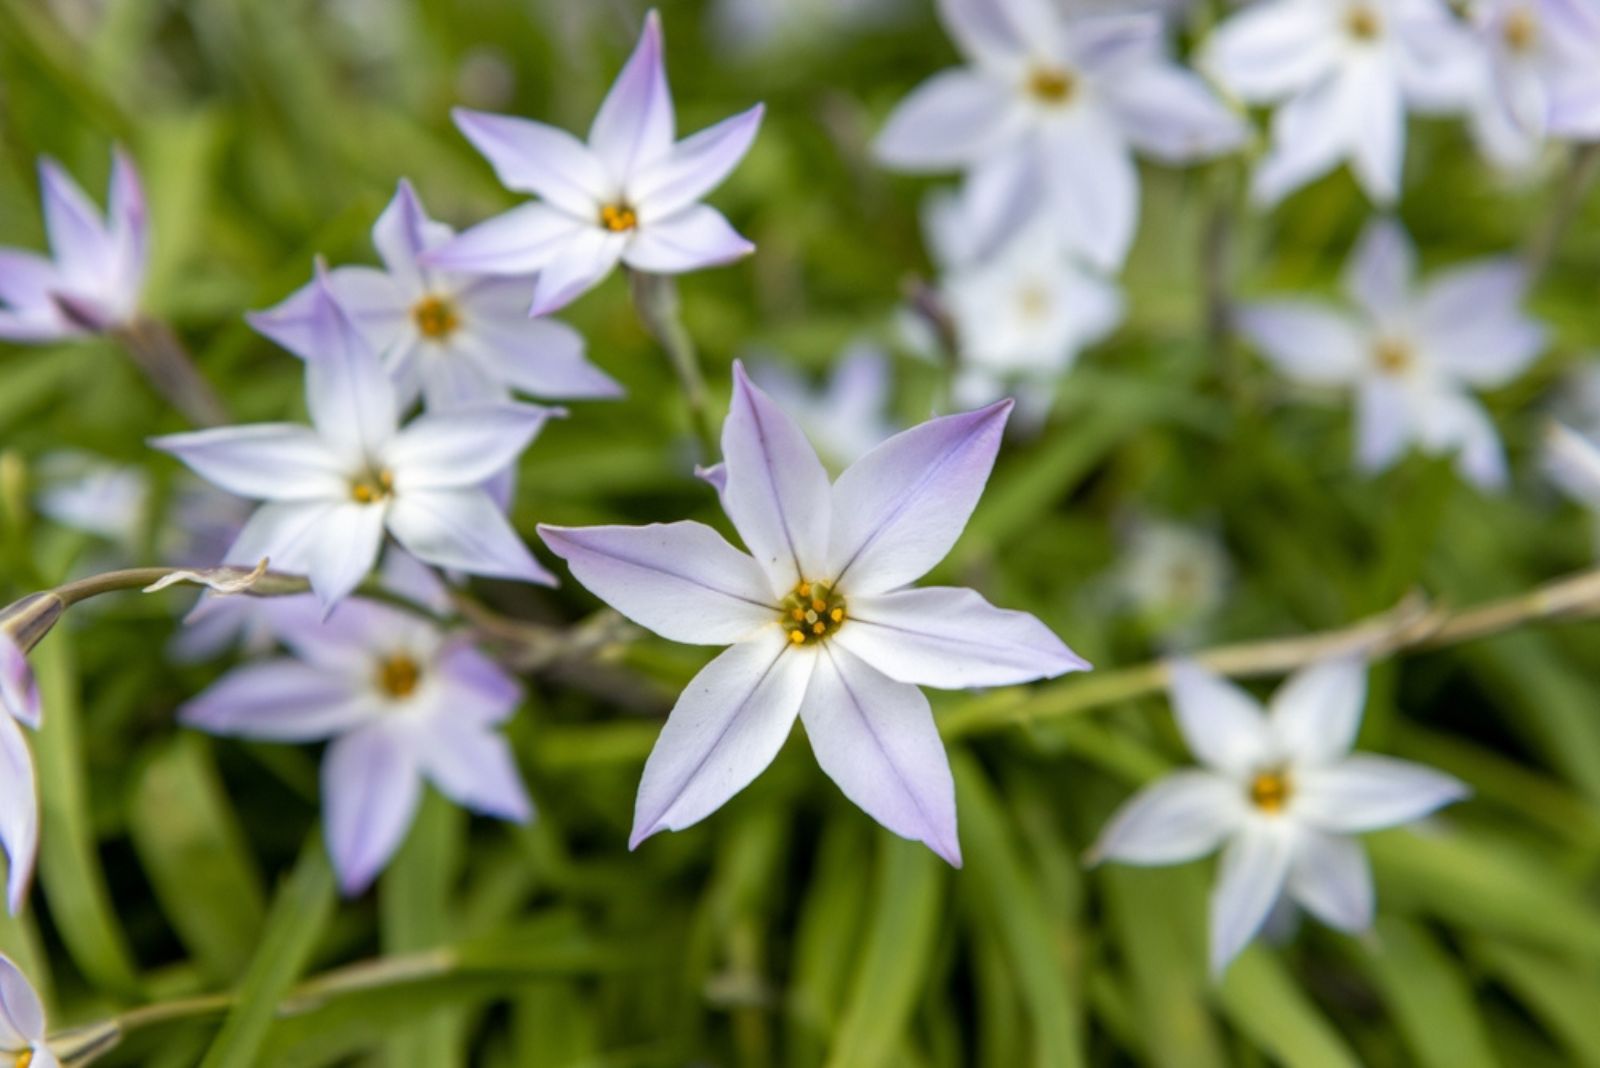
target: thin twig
<point>1411,626</point>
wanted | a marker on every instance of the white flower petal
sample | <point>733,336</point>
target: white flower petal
<point>1094,187</point>
<point>1223,726</point>
<point>582,264</point>
<point>401,235</point>
<point>1471,322</point>
<point>953,119</point>
<point>1269,50</point>
<point>1385,424</point>
<point>19,813</point>
<point>348,539</point>
<point>1183,816</point>
<point>1378,145</point>
<point>1331,879</point>
<point>1453,422</point>
<point>1574,464</point>
<point>1379,272</point>
<point>538,356</point>
<point>1316,714</point>
<point>21,1013</point>
<point>279,700</point>
<point>532,157</point>
<point>283,531</point>
<point>1249,880</point>
<point>1171,114</point>
<point>370,790</point>
<point>464,446</point>
<point>634,125</point>
<point>1366,792</point>
<point>78,236</point>
<point>348,393</point>
<point>524,239</point>
<point>1306,341</point>
<point>475,769</point>
<point>462,529</point>
<point>1310,135</point>
<point>694,167</point>
<point>695,237</point>
<point>267,461</point>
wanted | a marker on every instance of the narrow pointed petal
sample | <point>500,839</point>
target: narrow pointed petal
<point>532,157</point>
<point>1181,817</point>
<point>21,1013</point>
<point>348,393</point>
<point>278,700</point>
<point>19,691</point>
<point>348,540</point>
<point>1331,879</point>
<point>403,233</point>
<point>282,531</point>
<point>952,639</point>
<point>78,237</point>
<point>519,241</point>
<point>463,446</point>
<point>876,738</point>
<point>582,264</point>
<point>462,529</point>
<point>1172,115</point>
<point>952,120</point>
<point>377,304</point>
<point>1452,422</point>
<point>695,166</point>
<point>1574,464</point>
<point>729,723</point>
<point>1306,341</point>
<point>1379,147</point>
<point>1316,714</point>
<point>1251,877</point>
<point>899,509</point>
<point>1366,792</point>
<point>129,226</point>
<point>1380,271</point>
<point>475,769</point>
<point>1095,189</point>
<point>267,461</point>
<point>634,125</point>
<point>542,357</point>
<point>19,813</point>
<point>1269,50</point>
<point>1471,318</point>
<point>777,491</point>
<point>27,279</point>
<point>1384,424</point>
<point>1223,725</point>
<point>493,695</point>
<point>694,238</point>
<point>1001,30</point>
<point>1310,135</point>
<point>681,580</point>
<point>370,790</point>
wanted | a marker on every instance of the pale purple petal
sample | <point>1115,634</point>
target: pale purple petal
<point>1379,137</point>
<point>19,691</point>
<point>1223,726</point>
<point>78,236</point>
<point>1310,135</point>
<point>348,540</point>
<point>538,356</point>
<point>1170,114</point>
<point>524,239</point>
<point>998,31</point>
<point>1574,464</point>
<point>1384,424</point>
<point>777,491</point>
<point>266,461</point>
<point>348,393</point>
<point>450,378</point>
<point>342,641</point>
<point>695,166</point>
<point>694,238</point>
<point>1095,187</point>
<point>463,446</point>
<point>729,723</point>
<point>1379,273</point>
<point>1315,714</point>
<point>581,265</point>
<point>402,234</point>
<point>26,282</point>
<point>1366,792</point>
<point>1185,815</point>
<point>952,639</point>
<point>372,299</point>
<point>129,226</point>
<point>876,738</point>
<point>486,695</point>
<point>279,700</point>
<point>681,580</point>
<point>463,529</point>
<point>475,769</point>
<point>634,127</point>
<point>1269,50</point>
<point>283,531</point>
<point>19,813</point>
<point>1306,341</point>
<point>531,157</point>
<point>370,790</point>
<point>1252,874</point>
<point>1330,878</point>
<point>1471,321</point>
<point>21,1013</point>
<point>1453,422</point>
<point>953,119</point>
<point>899,509</point>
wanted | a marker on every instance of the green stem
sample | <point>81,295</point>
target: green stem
<point>156,351</point>
<point>655,298</point>
<point>1582,168</point>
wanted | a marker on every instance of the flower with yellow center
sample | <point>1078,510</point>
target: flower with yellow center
<point>437,317</point>
<point>1394,356</point>
<point>1051,85</point>
<point>618,218</point>
<point>1363,23</point>
<point>398,675</point>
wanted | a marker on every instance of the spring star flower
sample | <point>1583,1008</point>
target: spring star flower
<point>1346,71</point>
<point>19,799</point>
<point>332,490</point>
<point>94,281</point>
<point>22,1025</point>
<point>1411,354</point>
<point>1282,793</point>
<point>455,338</point>
<point>402,702</point>
<point>820,618</point>
<point>1542,75</point>
<point>1052,108</point>
<point>630,195</point>
<point>847,416</point>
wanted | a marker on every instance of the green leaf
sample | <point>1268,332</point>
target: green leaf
<point>1430,997</point>
<point>1562,994</point>
<point>1263,1002</point>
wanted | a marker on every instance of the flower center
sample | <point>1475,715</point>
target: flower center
<point>1520,30</point>
<point>812,612</point>
<point>369,488</point>
<point>1034,302</point>
<point>25,1058</point>
<point>1394,357</point>
<point>1270,790</point>
<point>1051,85</point>
<point>1362,23</point>
<point>398,675</point>
<point>436,317</point>
<point>618,217</point>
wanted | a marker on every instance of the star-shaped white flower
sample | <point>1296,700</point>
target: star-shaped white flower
<point>22,1024</point>
<point>1542,75</point>
<point>630,195</point>
<point>1410,354</point>
<point>455,338</point>
<point>333,489</point>
<point>94,281</point>
<point>1282,793</point>
<point>1052,108</point>
<point>1347,71</point>
<point>846,416</point>
<point>820,618</point>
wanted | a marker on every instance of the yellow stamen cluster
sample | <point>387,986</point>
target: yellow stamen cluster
<point>25,1058</point>
<point>812,612</point>
<point>371,488</point>
<point>1270,790</point>
<point>398,675</point>
<point>1362,23</point>
<point>1051,85</point>
<point>618,217</point>
<point>1520,30</point>
<point>436,317</point>
<point>1393,357</point>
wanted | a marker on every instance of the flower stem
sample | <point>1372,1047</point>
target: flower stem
<point>1583,166</point>
<point>156,351</point>
<point>655,299</point>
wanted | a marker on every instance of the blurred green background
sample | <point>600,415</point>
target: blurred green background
<point>788,929</point>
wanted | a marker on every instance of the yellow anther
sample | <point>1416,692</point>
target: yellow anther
<point>797,636</point>
<point>804,589</point>
<point>1362,23</point>
<point>370,488</point>
<point>618,218</point>
<point>398,675</point>
<point>1269,791</point>
<point>25,1058</point>
<point>436,317</point>
<point>1393,357</point>
<point>813,611</point>
<point>837,615</point>
<point>1051,85</point>
<point>799,615</point>
<point>818,604</point>
<point>1521,30</point>
<point>819,628</point>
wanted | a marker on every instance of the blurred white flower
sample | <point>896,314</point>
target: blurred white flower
<point>1410,354</point>
<point>1282,793</point>
<point>1541,76</point>
<point>1346,71</point>
<point>1170,575</point>
<point>845,416</point>
<point>96,496</point>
